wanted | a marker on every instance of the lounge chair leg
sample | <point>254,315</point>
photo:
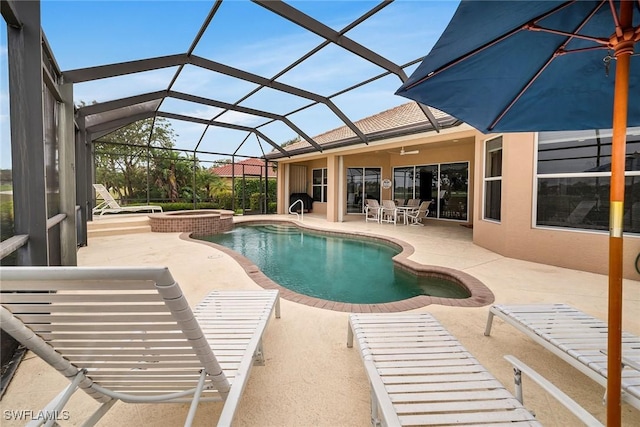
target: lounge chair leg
<point>196,399</point>
<point>258,356</point>
<point>487,329</point>
<point>517,379</point>
<point>58,403</point>
<point>375,421</point>
<point>99,413</point>
<point>349,336</point>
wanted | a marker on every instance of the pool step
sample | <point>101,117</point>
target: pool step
<point>118,225</point>
<point>280,229</point>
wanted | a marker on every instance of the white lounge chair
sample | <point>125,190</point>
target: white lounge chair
<point>421,375</point>
<point>109,204</point>
<point>577,338</point>
<point>129,334</point>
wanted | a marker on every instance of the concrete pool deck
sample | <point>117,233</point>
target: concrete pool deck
<point>311,378</point>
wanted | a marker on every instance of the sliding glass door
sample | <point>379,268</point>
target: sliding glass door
<point>362,184</point>
<point>445,184</point>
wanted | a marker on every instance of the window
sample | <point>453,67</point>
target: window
<point>445,184</point>
<point>493,179</point>
<point>573,180</point>
<point>403,183</point>
<point>320,185</point>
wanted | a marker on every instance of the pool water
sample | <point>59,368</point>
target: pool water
<point>336,268</point>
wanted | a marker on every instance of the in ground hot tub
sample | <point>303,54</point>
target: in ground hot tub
<point>199,222</point>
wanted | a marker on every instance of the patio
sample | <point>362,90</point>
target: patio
<point>310,377</point>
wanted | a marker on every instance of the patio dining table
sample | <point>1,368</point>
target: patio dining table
<point>404,210</point>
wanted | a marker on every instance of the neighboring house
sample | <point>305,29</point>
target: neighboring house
<point>541,197</point>
<point>249,168</point>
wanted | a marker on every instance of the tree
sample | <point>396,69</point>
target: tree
<point>172,174</point>
<point>121,156</point>
<point>210,183</point>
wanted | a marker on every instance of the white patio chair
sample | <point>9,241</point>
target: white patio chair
<point>110,205</point>
<point>372,210</point>
<point>417,215</point>
<point>129,334</point>
<point>388,212</point>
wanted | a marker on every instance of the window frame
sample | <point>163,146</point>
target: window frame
<point>486,179</point>
<point>561,175</point>
<point>435,209</point>
<point>323,184</point>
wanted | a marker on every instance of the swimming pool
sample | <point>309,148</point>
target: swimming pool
<point>335,268</point>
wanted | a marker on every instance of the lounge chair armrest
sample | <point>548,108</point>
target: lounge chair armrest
<point>555,392</point>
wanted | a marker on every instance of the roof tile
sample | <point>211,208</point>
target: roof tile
<point>403,115</point>
<point>248,166</point>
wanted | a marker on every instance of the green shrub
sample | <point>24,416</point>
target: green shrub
<point>256,202</point>
<point>184,206</point>
<point>223,199</point>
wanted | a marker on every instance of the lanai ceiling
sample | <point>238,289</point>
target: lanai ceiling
<point>258,74</point>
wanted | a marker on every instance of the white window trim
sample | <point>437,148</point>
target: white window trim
<point>534,192</point>
<point>490,179</point>
<point>322,185</point>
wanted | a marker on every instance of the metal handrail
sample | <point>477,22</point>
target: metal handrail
<point>300,215</point>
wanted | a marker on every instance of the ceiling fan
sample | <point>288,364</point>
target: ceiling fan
<point>403,152</point>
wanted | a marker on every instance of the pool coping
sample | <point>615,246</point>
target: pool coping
<point>481,295</point>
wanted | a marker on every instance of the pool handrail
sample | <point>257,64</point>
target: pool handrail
<point>300,216</point>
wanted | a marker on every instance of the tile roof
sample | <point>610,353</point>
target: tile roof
<point>249,166</point>
<point>402,116</point>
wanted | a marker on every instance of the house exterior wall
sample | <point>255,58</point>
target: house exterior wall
<point>516,236</point>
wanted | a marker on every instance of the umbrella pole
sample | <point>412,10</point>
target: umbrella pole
<point>623,49</point>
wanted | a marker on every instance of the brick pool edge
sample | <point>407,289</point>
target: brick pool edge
<point>481,295</point>
<point>200,222</point>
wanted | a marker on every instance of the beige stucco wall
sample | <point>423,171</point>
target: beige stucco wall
<point>516,237</point>
<point>448,146</point>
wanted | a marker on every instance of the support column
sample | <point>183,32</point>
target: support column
<point>333,193</point>
<point>67,168</point>
<point>340,191</point>
<point>83,180</point>
<point>27,135</point>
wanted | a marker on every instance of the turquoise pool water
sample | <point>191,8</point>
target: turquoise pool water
<point>330,267</point>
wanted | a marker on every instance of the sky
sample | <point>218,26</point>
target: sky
<point>244,35</point>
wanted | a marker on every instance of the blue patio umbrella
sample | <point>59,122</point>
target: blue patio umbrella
<point>510,66</point>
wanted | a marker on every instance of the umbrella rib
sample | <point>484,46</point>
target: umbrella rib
<point>522,91</point>
<point>616,20</point>
<point>598,40</point>
<point>487,45</point>
<point>560,51</point>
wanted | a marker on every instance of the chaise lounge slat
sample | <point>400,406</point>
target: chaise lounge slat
<point>577,338</point>
<point>138,340</point>
<point>421,375</point>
